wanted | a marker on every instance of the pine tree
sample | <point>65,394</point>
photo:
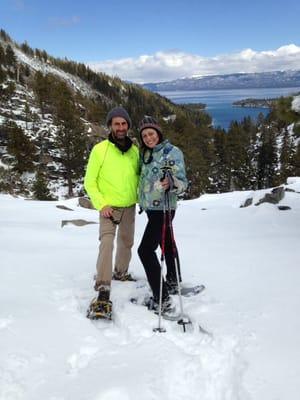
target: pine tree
<point>2,56</point>
<point>296,161</point>
<point>2,79</point>
<point>27,113</point>
<point>71,140</point>
<point>10,57</point>
<point>44,56</point>
<point>242,157</point>
<point>4,36</point>
<point>20,147</point>
<point>7,94</point>
<point>287,155</point>
<point>267,158</point>
<point>27,49</point>
<point>40,187</point>
<point>249,132</point>
<point>220,175</point>
<point>42,86</point>
<point>236,155</point>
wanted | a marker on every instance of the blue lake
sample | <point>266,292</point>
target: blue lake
<point>219,102</point>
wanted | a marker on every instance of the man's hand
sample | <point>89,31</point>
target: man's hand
<point>106,212</point>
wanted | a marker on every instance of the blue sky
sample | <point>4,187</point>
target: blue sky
<point>115,34</point>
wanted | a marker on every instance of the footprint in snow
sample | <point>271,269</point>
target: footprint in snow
<point>78,361</point>
<point>5,322</point>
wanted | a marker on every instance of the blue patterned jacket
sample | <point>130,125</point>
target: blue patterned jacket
<point>151,193</point>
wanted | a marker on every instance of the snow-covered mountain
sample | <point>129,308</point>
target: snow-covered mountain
<point>247,258</point>
<point>231,81</point>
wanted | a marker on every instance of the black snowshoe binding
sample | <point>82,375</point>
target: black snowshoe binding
<point>152,304</point>
<point>172,286</point>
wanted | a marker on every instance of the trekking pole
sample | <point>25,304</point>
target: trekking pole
<point>184,319</point>
<point>162,260</point>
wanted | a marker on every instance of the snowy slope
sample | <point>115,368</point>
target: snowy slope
<point>74,82</point>
<point>246,257</point>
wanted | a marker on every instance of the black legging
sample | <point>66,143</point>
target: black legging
<point>151,239</point>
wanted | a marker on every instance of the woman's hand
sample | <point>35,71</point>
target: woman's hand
<point>165,184</point>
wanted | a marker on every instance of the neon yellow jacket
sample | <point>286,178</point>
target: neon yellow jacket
<point>111,177</point>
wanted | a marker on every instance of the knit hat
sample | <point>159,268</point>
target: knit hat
<point>150,122</point>
<point>118,112</point>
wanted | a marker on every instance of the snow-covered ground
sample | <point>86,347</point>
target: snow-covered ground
<point>248,258</point>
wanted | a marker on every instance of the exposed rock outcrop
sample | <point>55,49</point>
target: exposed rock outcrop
<point>276,195</point>
<point>76,222</point>
<point>85,203</point>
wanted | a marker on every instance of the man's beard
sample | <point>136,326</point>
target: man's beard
<point>119,136</point>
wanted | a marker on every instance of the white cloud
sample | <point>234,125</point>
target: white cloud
<point>173,64</point>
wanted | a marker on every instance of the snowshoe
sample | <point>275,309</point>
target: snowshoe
<point>192,290</point>
<point>100,309</point>
<point>186,291</point>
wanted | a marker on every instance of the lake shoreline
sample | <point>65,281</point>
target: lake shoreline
<point>219,103</point>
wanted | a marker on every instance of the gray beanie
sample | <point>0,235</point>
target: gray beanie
<point>118,112</point>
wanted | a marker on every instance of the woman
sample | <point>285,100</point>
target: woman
<point>162,178</point>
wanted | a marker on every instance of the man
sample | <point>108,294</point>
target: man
<point>111,182</point>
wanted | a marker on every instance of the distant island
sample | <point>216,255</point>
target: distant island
<point>254,103</point>
<point>194,106</point>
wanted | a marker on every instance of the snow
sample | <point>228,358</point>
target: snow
<point>246,257</point>
<point>2,165</point>
<point>296,104</point>
<point>74,82</point>
<point>293,182</point>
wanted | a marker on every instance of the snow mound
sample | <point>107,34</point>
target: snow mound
<point>296,104</point>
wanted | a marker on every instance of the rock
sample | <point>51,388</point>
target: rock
<point>76,222</point>
<point>85,203</point>
<point>247,203</point>
<point>290,190</point>
<point>276,195</point>
<point>283,208</point>
<point>64,207</point>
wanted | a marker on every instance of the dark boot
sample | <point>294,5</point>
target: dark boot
<point>101,307</point>
<point>167,305</point>
<point>123,277</point>
<point>172,286</point>
<point>103,293</point>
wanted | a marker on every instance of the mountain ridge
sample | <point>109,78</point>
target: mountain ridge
<point>275,79</point>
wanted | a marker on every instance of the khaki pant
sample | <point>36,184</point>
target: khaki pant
<point>125,235</point>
